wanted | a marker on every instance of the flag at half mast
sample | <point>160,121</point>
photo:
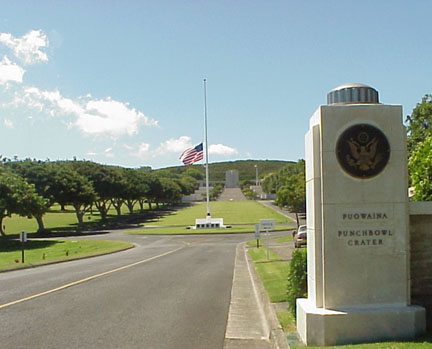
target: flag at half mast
<point>192,155</point>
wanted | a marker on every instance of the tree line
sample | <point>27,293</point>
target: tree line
<point>289,185</point>
<point>29,188</point>
<point>246,168</point>
<point>419,144</point>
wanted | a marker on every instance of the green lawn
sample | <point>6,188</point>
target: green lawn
<point>272,272</point>
<point>180,230</point>
<point>245,213</point>
<point>287,321</point>
<point>43,251</point>
<point>233,212</point>
<point>55,219</point>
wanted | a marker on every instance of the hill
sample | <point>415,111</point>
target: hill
<point>246,168</point>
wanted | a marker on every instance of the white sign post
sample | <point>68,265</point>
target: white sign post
<point>267,225</point>
<point>23,239</point>
<point>23,236</point>
<point>257,234</point>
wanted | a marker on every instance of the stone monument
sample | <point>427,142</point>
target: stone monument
<point>231,179</point>
<point>357,221</point>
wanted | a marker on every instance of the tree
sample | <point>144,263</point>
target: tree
<point>420,169</point>
<point>76,190</point>
<point>171,191</point>
<point>155,191</point>
<point>187,184</point>
<point>195,173</point>
<point>289,184</point>
<point>19,197</point>
<point>137,187</point>
<point>108,184</point>
<point>43,175</point>
<point>419,123</point>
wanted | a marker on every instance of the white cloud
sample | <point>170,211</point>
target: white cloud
<point>220,149</point>
<point>174,145</point>
<point>108,153</point>
<point>111,117</point>
<point>8,123</point>
<point>27,48</point>
<point>143,150</point>
<point>10,71</point>
<point>93,117</point>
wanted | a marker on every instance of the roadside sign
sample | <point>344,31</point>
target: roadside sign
<point>257,231</point>
<point>266,224</point>
<point>23,239</point>
<point>23,236</point>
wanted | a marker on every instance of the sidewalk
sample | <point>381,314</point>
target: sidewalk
<point>252,322</point>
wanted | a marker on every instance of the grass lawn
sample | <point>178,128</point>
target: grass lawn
<point>233,212</point>
<point>180,230</point>
<point>55,219</point>
<point>287,321</point>
<point>273,273</point>
<point>245,213</point>
<point>42,251</point>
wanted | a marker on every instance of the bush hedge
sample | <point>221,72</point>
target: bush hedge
<point>297,278</point>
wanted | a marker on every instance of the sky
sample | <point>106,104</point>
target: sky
<point>121,82</point>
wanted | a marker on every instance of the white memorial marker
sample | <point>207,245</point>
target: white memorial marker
<point>357,221</point>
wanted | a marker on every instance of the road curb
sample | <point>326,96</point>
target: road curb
<point>277,336</point>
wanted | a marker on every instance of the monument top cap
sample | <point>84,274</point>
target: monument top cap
<point>352,94</point>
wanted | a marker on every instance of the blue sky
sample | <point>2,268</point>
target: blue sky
<point>121,82</point>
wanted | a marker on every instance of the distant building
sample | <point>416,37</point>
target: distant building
<point>231,179</point>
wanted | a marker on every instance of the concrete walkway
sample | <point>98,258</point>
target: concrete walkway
<point>247,324</point>
<point>252,322</point>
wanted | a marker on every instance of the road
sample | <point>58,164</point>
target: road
<point>171,292</point>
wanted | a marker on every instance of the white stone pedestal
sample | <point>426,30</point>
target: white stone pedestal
<point>357,226</point>
<point>324,327</point>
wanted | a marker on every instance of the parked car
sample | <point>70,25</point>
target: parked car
<point>300,237</point>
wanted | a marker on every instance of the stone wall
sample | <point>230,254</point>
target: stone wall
<point>421,256</point>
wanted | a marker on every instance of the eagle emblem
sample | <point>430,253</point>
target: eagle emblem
<point>363,151</point>
<point>364,157</point>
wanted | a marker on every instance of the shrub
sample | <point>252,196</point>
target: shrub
<point>216,191</point>
<point>297,278</point>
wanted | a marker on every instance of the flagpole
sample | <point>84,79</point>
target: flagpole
<point>206,146</point>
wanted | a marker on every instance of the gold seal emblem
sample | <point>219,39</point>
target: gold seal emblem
<point>363,151</point>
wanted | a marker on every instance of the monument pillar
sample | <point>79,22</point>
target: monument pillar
<point>357,220</point>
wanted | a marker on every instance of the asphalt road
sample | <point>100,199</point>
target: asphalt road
<point>170,292</point>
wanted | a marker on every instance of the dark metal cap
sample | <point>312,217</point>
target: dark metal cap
<point>352,94</point>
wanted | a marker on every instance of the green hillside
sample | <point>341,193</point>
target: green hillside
<point>245,167</point>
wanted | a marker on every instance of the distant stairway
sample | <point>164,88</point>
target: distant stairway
<point>232,194</point>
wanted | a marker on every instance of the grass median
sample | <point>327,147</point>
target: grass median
<point>48,251</point>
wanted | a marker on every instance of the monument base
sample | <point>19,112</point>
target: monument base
<point>209,223</point>
<point>324,327</point>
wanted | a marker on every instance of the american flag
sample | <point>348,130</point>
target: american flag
<point>192,155</point>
